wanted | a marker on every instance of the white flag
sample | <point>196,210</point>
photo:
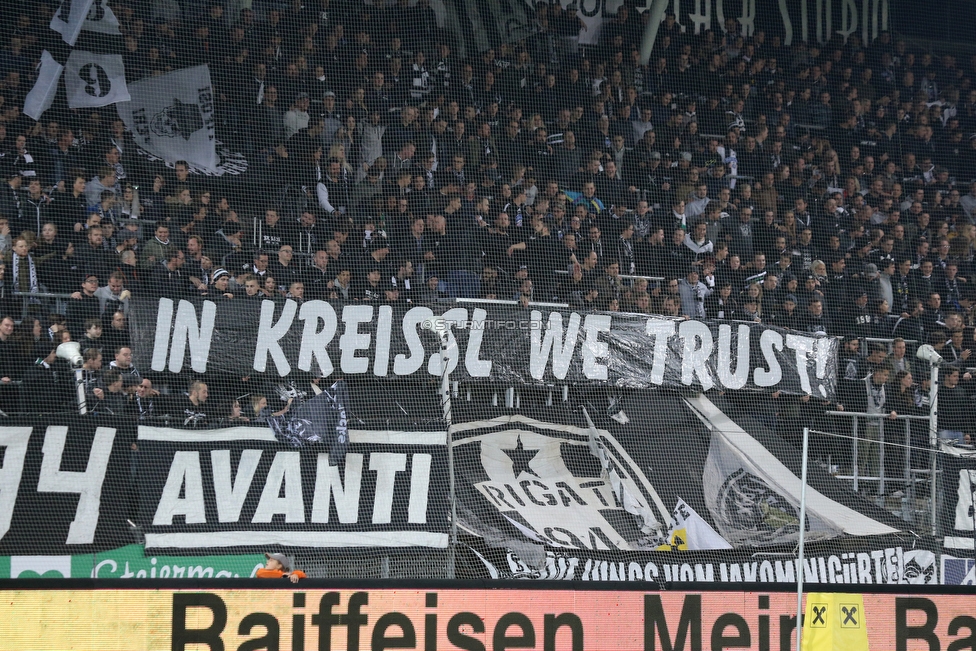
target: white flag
<point>172,116</point>
<point>93,80</point>
<point>41,96</point>
<point>70,18</point>
<point>690,531</point>
<point>101,19</point>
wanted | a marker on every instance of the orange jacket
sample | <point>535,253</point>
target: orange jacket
<point>277,574</point>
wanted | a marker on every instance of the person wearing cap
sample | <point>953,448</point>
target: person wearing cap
<point>372,289</point>
<point>12,197</point>
<point>280,566</point>
<point>788,316</point>
<point>219,285</point>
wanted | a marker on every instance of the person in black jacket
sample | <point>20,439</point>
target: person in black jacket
<point>816,321</point>
<point>955,409</point>
<point>721,304</point>
<point>788,316</point>
<point>910,327</point>
<point>110,395</point>
<point>83,306</point>
<point>13,363</point>
<point>167,277</point>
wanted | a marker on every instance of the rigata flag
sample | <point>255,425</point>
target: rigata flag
<point>172,116</point>
<point>834,622</point>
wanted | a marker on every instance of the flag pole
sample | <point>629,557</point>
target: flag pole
<point>803,523</point>
<point>439,326</point>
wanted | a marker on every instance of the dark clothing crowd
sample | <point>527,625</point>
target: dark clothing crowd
<point>822,188</point>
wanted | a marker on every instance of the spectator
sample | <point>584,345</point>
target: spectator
<point>167,277</point>
<point>693,294</point>
<point>280,566</point>
<point>157,249</point>
<point>24,274</point>
<point>875,402</point>
<point>116,334</point>
<point>123,364</point>
<point>954,409</point>
<point>192,408</point>
<point>110,398</point>
<point>83,305</point>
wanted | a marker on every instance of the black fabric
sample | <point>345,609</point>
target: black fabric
<point>522,347</point>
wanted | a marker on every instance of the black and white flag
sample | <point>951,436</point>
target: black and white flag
<point>93,79</point>
<point>101,19</point>
<point>958,467</point>
<point>93,70</point>
<point>172,116</point>
<point>70,19</point>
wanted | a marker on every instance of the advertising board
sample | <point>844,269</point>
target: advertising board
<point>473,619</point>
<point>129,562</point>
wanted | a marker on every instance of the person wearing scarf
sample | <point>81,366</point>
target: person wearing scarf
<point>24,271</point>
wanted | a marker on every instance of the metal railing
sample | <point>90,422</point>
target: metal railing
<point>27,298</point>
<point>909,475</point>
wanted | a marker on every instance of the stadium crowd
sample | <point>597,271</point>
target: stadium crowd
<point>821,188</point>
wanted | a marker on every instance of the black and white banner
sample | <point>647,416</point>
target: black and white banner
<point>655,481</point>
<point>753,495</point>
<point>237,488</point>
<point>73,16</point>
<point>546,482</point>
<point>505,345</point>
<point>536,482</point>
<point>959,514</point>
<point>873,562</point>
<point>172,116</point>
<point>63,486</point>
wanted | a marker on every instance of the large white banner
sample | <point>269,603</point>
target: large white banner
<point>41,96</point>
<point>92,79</point>
<point>172,116</point>
<point>70,18</point>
